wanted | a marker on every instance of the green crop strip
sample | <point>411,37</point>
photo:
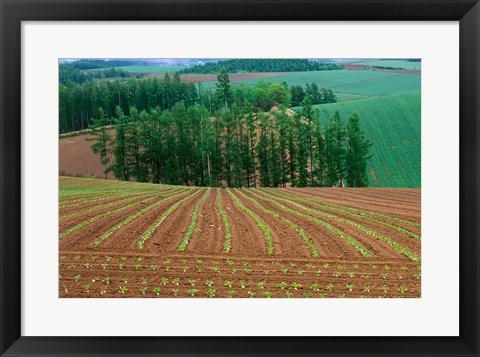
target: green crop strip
<point>322,205</point>
<point>115,228</point>
<point>100,216</point>
<point>300,231</point>
<point>331,228</point>
<point>193,223</point>
<point>153,228</point>
<point>364,229</point>
<point>85,200</point>
<point>226,223</point>
<point>94,208</point>
<point>257,219</point>
<point>326,203</point>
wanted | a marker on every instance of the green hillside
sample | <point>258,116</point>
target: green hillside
<point>392,123</point>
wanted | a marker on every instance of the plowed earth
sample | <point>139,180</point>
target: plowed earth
<point>121,239</point>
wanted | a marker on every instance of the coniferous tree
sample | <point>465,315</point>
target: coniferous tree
<point>102,140</point>
<point>224,90</point>
<point>356,153</point>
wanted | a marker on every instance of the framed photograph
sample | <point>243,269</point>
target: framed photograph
<point>248,178</point>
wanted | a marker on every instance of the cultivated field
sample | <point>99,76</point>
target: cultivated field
<point>124,239</point>
<point>347,83</point>
<point>392,124</point>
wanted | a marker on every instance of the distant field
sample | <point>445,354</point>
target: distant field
<point>392,123</point>
<point>392,63</point>
<point>349,83</point>
<point>147,69</point>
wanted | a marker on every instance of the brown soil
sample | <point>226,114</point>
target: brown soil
<point>290,270</point>
<point>234,77</point>
<point>77,159</point>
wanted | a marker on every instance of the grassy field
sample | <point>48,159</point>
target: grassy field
<point>392,124</point>
<point>393,63</point>
<point>347,83</point>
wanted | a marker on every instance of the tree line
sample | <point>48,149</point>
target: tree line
<point>237,146</point>
<point>79,103</point>
<point>262,65</point>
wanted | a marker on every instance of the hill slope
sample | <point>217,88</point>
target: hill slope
<point>392,123</point>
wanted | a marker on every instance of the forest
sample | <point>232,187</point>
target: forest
<point>79,103</point>
<point>263,65</point>
<point>236,143</point>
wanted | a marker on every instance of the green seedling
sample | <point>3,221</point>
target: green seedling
<point>77,277</point>
<point>231,293</point>
<point>228,283</point>
<point>211,292</point>
<point>330,287</point>
<point>251,294</point>
<point>176,281</point>
<point>86,287</point>
<point>242,284</point>
<point>307,294</point>
<point>350,287</point>
<point>288,294</point>
<point>315,287</point>
<point>402,288</point>
<point>143,290</point>
<point>156,290</point>
<point>192,292</point>
<point>106,280</point>
<point>164,281</point>
<point>122,289</point>
<point>192,282</point>
<point>267,294</point>
<point>209,282</point>
<point>295,285</point>
<point>282,285</point>
<point>153,267</point>
<point>261,284</point>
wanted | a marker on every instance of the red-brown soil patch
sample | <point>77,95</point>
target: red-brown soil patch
<point>234,77</point>
<point>77,159</point>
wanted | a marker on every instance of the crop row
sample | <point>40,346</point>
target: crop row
<point>226,223</point>
<point>360,227</point>
<point>328,226</point>
<point>299,230</point>
<point>115,228</point>
<point>257,219</point>
<point>343,209</point>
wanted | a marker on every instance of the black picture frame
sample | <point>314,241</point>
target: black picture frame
<point>467,12</point>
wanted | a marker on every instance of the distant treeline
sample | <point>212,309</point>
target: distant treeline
<point>79,103</point>
<point>100,63</point>
<point>67,73</point>
<point>236,147</point>
<point>262,65</point>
